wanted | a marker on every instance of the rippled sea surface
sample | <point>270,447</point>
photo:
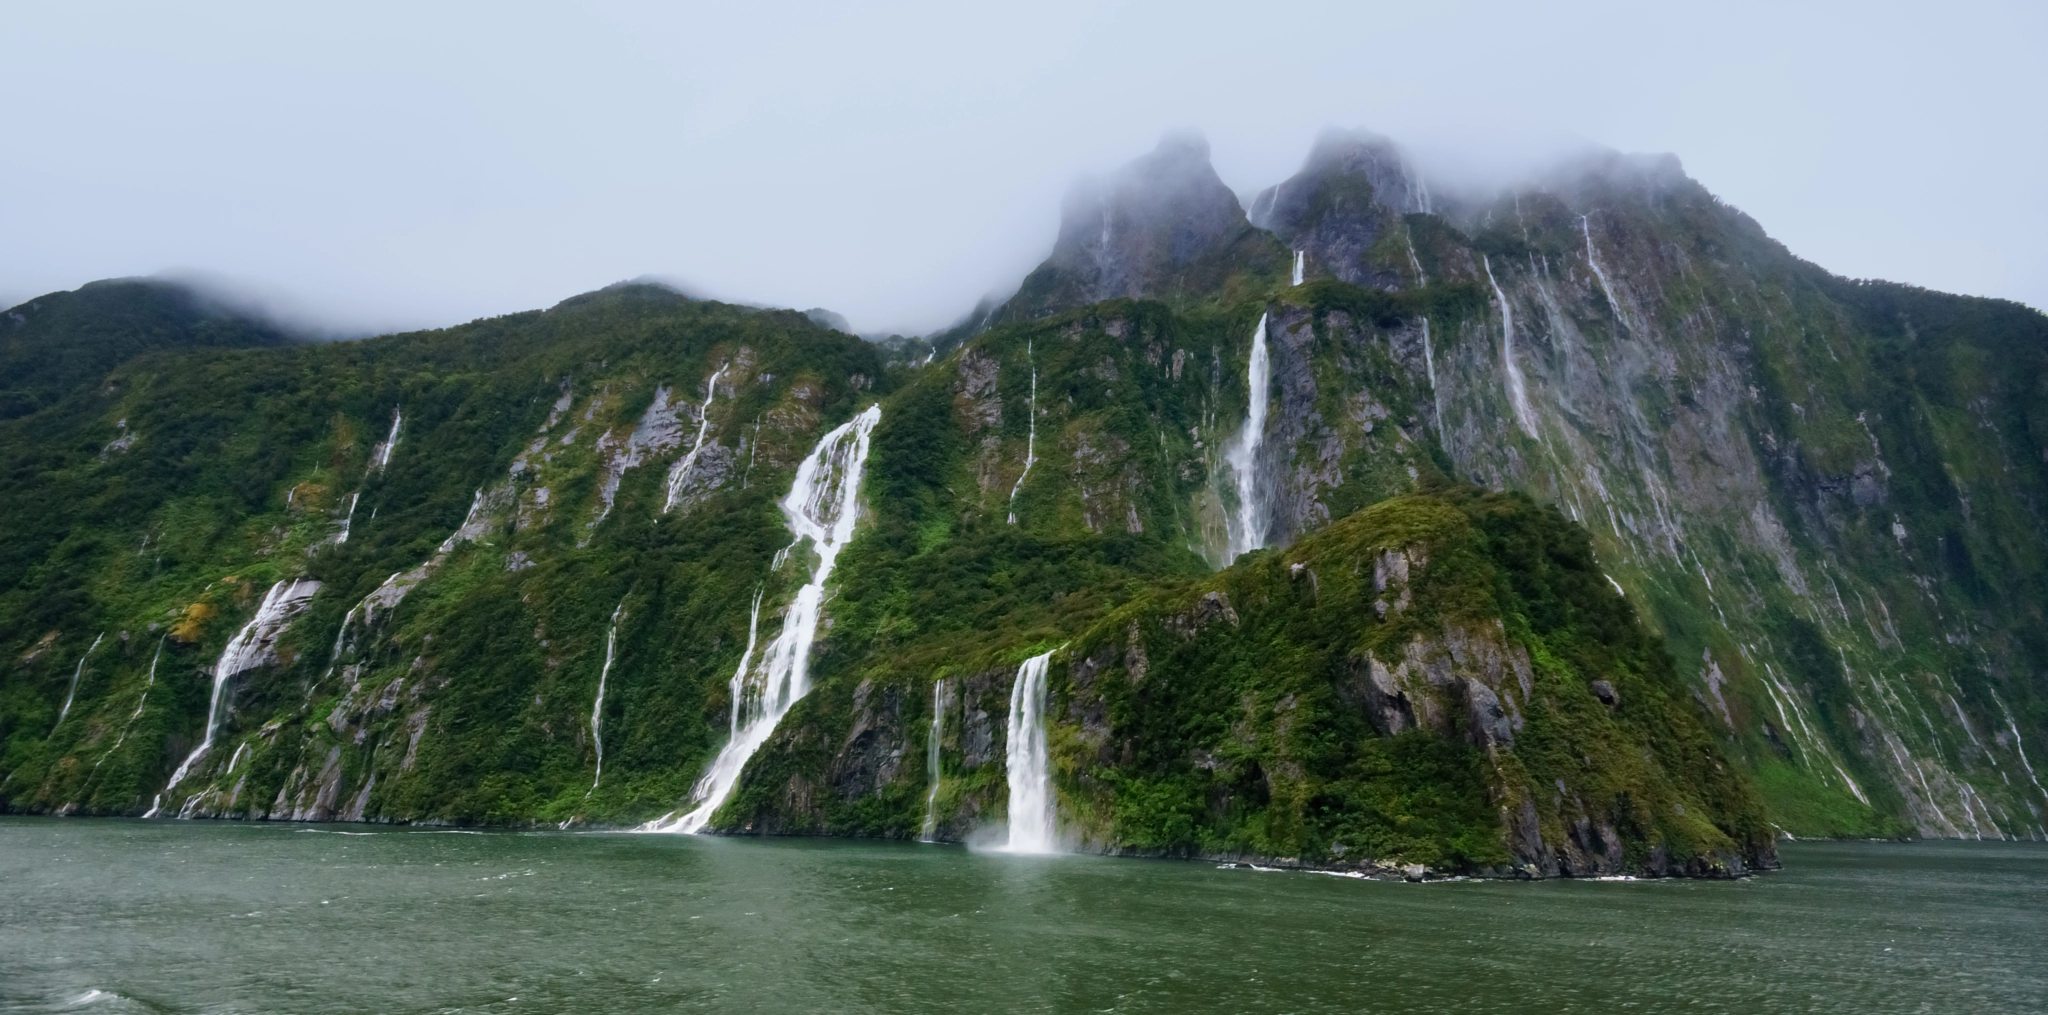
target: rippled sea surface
<point>107,916</point>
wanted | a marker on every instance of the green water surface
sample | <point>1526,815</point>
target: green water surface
<point>106,916</point>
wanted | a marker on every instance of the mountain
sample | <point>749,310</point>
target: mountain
<point>1573,529</point>
<point>51,345</point>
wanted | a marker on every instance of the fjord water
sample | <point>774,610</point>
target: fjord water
<point>109,915</point>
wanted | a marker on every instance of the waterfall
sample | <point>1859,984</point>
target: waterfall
<point>1606,288</point>
<point>380,456</point>
<point>822,504</point>
<point>689,461</point>
<point>1031,436</point>
<point>1030,768</point>
<point>611,647</point>
<point>349,519</point>
<point>147,686</point>
<point>1518,392</point>
<point>248,649</point>
<point>1429,364</point>
<point>1421,277</point>
<point>931,762</point>
<point>1300,261</point>
<point>1249,532</point>
<point>75,674</point>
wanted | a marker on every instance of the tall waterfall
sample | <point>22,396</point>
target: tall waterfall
<point>75,674</point>
<point>1518,392</point>
<point>1248,526</point>
<point>689,461</point>
<point>1429,364</point>
<point>1030,764</point>
<point>1031,435</point>
<point>611,648</point>
<point>248,649</point>
<point>822,505</point>
<point>1300,262</point>
<point>931,761</point>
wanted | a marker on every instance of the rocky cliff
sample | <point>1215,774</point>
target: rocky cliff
<point>1761,548</point>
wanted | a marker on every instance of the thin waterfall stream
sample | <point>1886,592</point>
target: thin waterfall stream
<point>931,762</point>
<point>822,505</point>
<point>248,649</point>
<point>1248,531</point>
<point>1518,390</point>
<point>689,461</point>
<point>1032,816</point>
<point>1031,435</point>
<point>75,674</point>
<point>611,648</point>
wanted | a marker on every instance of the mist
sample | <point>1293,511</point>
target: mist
<point>389,167</point>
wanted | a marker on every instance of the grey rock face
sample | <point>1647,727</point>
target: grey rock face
<point>1163,226</point>
<point>1350,194</point>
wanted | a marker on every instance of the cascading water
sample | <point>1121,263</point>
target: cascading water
<point>75,674</point>
<point>1606,287</point>
<point>1031,435</point>
<point>1518,391</point>
<point>249,648</point>
<point>1300,262</point>
<point>822,505</point>
<point>689,461</point>
<point>147,686</point>
<point>1248,528</point>
<point>611,647</point>
<point>383,451</point>
<point>1030,764</point>
<point>931,762</point>
<point>1429,364</point>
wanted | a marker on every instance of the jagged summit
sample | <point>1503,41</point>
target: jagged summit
<point>1165,226</point>
<point>1348,197</point>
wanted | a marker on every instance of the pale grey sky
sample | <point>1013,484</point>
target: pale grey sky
<point>386,165</point>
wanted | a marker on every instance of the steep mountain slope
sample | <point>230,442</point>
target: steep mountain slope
<point>55,343</point>
<point>640,557</point>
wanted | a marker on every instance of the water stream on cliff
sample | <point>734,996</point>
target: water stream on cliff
<point>1248,525</point>
<point>821,507</point>
<point>611,649</point>
<point>75,674</point>
<point>249,647</point>
<point>1030,436</point>
<point>1518,391</point>
<point>1029,763</point>
<point>1300,262</point>
<point>113,916</point>
<point>682,468</point>
<point>931,762</point>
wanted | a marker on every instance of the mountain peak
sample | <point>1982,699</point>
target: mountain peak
<point>1163,226</point>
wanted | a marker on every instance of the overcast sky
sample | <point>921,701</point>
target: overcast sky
<point>392,166</point>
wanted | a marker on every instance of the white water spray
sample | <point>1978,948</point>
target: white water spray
<point>1249,532</point>
<point>75,674</point>
<point>689,461</point>
<point>248,649</point>
<point>1300,262</point>
<point>1031,435</point>
<point>349,519</point>
<point>611,647</point>
<point>931,762</point>
<point>1518,392</point>
<point>822,505</point>
<point>1030,765</point>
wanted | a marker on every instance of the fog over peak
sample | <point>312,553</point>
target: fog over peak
<point>389,167</point>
